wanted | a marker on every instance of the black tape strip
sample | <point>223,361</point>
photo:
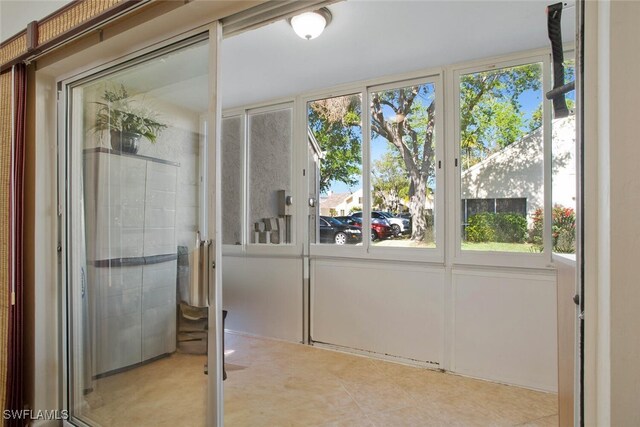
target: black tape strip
<point>554,27</point>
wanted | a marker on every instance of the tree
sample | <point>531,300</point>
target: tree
<point>405,117</point>
<point>390,182</point>
<point>491,118</point>
<point>335,123</point>
<point>491,115</point>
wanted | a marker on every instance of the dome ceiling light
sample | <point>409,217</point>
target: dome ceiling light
<point>310,25</point>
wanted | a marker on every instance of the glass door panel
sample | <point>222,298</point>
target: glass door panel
<point>138,293</point>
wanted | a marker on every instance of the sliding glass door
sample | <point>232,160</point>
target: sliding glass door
<point>139,223</point>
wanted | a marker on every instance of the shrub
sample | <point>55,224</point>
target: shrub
<point>510,228</point>
<point>479,228</point>
<point>563,229</point>
<point>497,227</point>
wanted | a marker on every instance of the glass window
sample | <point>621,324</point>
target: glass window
<point>335,129</point>
<point>403,169</point>
<point>232,174</point>
<point>502,158</point>
<point>270,197</point>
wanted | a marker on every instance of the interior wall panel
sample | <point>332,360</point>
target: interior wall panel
<point>505,327</point>
<point>263,296</point>
<point>567,316</point>
<point>390,309</point>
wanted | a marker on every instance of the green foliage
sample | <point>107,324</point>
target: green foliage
<point>510,228</point>
<point>118,113</point>
<point>479,228</point>
<point>335,124</point>
<point>497,227</point>
<point>563,230</point>
<point>491,118</point>
<point>490,113</point>
<point>354,209</point>
<point>390,182</point>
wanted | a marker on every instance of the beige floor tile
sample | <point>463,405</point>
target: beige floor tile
<point>272,383</point>
<point>550,421</point>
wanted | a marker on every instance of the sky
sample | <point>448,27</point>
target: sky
<point>529,100</point>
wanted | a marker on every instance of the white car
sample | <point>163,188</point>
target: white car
<point>398,225</point>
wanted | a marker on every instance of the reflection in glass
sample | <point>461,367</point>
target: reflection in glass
<point>137,347</point>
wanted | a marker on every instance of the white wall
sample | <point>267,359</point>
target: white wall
<point>612,198</point>
<point>263,296</point>
<point>517,170</point>
<point>387,308</point>
<point>504,326</point>
<point>567,327</point>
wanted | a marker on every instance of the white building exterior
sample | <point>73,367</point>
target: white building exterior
<point>340,204</point>
<point>516,171</point>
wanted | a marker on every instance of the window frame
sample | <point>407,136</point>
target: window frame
<point>367,250</point>
<point>407,253</point>
<point>327,249</point>
<point>246,247</point>
<point>497,258</point>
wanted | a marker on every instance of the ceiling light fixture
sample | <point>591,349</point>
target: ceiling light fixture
<point>310,25</point>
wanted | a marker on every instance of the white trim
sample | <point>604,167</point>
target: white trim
<point>407,253</point>
<point>378,356</point>
<point>215,395</point>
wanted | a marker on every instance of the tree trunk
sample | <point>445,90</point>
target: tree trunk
<point>417,208</point>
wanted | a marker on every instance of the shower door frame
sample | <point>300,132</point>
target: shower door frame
<point>212,33</point>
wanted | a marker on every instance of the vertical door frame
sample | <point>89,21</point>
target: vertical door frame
<point>215,398</point>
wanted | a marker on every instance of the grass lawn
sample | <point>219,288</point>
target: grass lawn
<point>405,242</point>
<point>498,247</point>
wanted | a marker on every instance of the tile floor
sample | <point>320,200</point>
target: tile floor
<point>273,383</point>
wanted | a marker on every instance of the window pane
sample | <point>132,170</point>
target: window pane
<point>502,158</point>
<point>270,136</point>
<point>403,166</point>
<point>335,137</point>
<point>563,151</point>
<point>232,172</point>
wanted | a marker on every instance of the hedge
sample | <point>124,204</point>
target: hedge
<point>497,227</point>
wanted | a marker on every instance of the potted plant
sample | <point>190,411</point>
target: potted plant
<point>125,121</point>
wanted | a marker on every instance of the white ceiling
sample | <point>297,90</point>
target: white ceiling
<point>366,39</point>
<point>369,39</point>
